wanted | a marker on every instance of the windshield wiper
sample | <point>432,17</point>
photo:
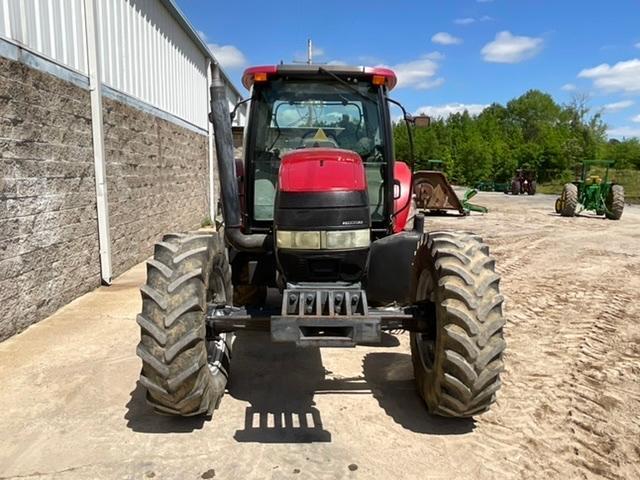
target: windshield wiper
<point>347,84</point>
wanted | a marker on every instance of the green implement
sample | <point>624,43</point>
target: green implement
<point>471,207</point>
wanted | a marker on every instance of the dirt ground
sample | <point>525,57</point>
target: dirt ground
<point>569,406</point>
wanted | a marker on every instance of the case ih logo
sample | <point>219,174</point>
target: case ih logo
<point>352,222</point>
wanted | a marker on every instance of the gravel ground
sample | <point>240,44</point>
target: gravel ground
<point>569,406</point>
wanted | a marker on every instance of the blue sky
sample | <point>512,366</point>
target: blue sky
<point>448,54</point>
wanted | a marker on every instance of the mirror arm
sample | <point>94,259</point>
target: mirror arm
<point>235,108</point>
<point>408,120</point>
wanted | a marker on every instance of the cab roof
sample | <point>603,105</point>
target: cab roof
<point>263,73</point>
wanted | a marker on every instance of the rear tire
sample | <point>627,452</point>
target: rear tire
<point>615,202</point>
<point>184,372</point>
<point>457,365</point>
<point>532,187</point>
<point>515,188</point>
<point>569,200</point>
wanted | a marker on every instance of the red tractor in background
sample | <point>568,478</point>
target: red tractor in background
<point>523,181</point>
<point>319,209</point>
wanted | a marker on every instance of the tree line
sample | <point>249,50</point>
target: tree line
<point>532,131</point>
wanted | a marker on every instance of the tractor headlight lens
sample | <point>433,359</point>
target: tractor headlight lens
<point>300,240</point>
<point>348,239</point>
<point>317,240</point>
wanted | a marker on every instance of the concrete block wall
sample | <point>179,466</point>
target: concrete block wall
<point>49,253</point>
<point>157,180</point>
<point>48,228</point>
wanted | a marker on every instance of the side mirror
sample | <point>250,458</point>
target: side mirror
<point>422,121</point>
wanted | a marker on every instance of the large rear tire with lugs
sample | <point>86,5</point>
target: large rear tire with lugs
<point>184,372</point>
<point>457,362</point>
<point>615,202</point>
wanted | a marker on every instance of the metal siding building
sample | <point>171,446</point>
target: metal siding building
<point>147,49</point>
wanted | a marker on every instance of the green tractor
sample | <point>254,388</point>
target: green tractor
<point>591,192</point>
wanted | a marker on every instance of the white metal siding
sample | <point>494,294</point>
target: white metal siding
<point>53,28</point>
<point>144,51</point>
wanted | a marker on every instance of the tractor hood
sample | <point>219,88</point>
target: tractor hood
<point>322,218</point>
<point>322,170</point>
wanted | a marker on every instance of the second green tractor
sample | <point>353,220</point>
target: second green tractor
<point>592,192</point>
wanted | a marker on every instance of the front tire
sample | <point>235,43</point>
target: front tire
<point>184,372</point>
<point>515,187</point>
<point>457,365</point>
<point>568,200</point>
<point>615,202</point>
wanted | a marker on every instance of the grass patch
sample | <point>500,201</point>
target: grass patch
<point>206,222</point>
<point>629,179</point>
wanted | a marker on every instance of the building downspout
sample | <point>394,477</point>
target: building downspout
<point>95,88</point>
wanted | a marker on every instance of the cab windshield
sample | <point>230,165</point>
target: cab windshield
<point>290,115</point>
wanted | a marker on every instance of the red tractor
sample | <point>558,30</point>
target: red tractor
<point>320,212</point>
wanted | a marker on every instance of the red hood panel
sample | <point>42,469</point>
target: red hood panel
<point>321,170</point>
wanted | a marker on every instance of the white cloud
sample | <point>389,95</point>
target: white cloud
<point>229,56</point>
<point>420,74</point>
<point>637,45</point>
<point>621,77</point>
<point>443,111</point>
<point>444,38</point>
<point>624,132</point>
<point>617,106</point>
<point>568,87</point>
<point>508,48</point>
<point>470,20</point>
<point>636,119</point>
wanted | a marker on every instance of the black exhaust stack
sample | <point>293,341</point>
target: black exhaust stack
<point>221,120</point>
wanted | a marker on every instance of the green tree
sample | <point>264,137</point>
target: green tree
<point>532,130</point>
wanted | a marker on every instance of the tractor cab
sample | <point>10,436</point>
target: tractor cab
<point>296,109</point>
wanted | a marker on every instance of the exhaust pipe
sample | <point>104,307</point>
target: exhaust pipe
<point>221,120</point>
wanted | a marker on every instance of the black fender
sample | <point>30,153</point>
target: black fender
<point>389,269</point>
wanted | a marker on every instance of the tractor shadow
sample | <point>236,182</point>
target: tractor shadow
<point>389,375</point>
<point>280,381</point>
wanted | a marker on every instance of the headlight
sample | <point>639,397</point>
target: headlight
<point>317,240</point>
<point>300,240</point>
<point>347,239</point>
